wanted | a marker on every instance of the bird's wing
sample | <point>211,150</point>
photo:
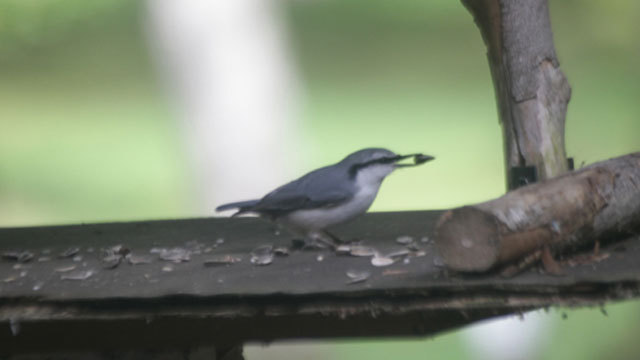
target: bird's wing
<point>320,188</point>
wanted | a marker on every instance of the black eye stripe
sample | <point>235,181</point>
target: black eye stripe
<point>353,170</point>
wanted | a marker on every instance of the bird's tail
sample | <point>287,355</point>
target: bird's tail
<point>242,206</point>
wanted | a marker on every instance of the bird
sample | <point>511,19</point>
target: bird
<point>327,196</point>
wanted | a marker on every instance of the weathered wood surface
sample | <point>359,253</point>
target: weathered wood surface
<point>531,91</point>
<point>564,213</point>
<point>303,295</point>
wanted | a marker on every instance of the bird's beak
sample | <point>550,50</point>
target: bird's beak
<point>418,159</point>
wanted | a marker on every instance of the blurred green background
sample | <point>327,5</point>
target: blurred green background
<point>86,132</point>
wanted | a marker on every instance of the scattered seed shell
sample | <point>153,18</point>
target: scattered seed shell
<point>360,250</point>
<point>37,286</point>
<point>70,252</point>
<point>262,255</point>
<point>65,268</point>
<point>19,256</point>
<point>80,275</point>
<point>175,255</point>
<point>167,268</point>
<point>356,276</point>
<point>401,252</point>
<point>281,251</point>
<point>404,240</point>
<point>343,249</point>
<point>262,260</point>
<point>138,260</point>
<point>111,261</point>
<point>222,260</point>
<point>381,261</point>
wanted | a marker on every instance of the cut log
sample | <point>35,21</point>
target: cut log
<point>564,213</point>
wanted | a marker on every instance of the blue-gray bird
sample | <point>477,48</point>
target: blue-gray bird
<point>327,196</point>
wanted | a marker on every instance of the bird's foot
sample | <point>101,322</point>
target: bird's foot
<point>309,244</point>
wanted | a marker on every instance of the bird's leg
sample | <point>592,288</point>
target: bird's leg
<point>321,239</point>
<point>303,239</point>
<point>336,240</point>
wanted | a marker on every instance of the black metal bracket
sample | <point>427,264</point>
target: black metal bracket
<point>522,175</point>
<point>525,175</point>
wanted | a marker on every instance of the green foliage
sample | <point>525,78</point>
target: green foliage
<point>28,25</point>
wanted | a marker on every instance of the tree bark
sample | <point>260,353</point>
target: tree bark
<point>531,91</point>
<point>563,213</point>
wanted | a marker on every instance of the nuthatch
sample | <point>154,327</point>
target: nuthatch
<point>327,196</point>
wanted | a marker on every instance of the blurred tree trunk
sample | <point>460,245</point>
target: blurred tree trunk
<point>531,90</point>
<point>228,72</point>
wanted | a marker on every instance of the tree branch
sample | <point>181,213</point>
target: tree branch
<point>531,90</point>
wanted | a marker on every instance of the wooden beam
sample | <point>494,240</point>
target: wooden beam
<point>48,302</point>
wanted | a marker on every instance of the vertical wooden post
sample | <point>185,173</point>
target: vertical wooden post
<point>531,91</point>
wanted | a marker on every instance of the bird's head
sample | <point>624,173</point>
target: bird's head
<point>374,164</point>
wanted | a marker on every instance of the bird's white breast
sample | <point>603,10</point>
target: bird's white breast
<point>318,219</point>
